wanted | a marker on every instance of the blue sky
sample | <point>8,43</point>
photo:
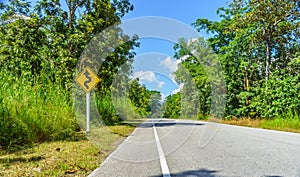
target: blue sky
<point>154,63</point>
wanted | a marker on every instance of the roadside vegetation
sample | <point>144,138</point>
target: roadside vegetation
<point>40,44</point>
<point>31,114</point>
<point>288,123</point>
<point>257,44</point>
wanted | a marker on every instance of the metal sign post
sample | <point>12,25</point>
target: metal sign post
<point>88,112</point>
<point>87,79</point>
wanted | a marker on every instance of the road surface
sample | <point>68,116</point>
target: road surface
<point>163,147</point>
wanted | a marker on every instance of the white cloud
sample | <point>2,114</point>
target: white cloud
<point>179,88</point>
<point>160,84</point>
<point>191,45</point>
<point>192,40</point>
<point>146,76</point>
<point>163,97</point>
<point>169,64</point>
<point>184,57</point>
<point>172,77</point>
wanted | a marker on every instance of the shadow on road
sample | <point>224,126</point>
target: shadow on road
<point>200,172</point>
<point>195,173</point>
<point>168,124</point>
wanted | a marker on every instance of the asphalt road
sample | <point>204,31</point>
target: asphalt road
<point>163,147</point>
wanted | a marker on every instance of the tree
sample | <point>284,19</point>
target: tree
<point>253,40</point>
<point>220,42</point>
<point>200,72</point>
<point>43,41</point>
<point>46,39</point>
<point>275,23</point>
<point>172,106</point>
<point>155,103</point>
<point>140,98</point>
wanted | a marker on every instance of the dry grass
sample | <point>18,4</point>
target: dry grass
<point>52,159</point>
<point>288,125</point>
<point>62,158</point>
<point>244,122</point>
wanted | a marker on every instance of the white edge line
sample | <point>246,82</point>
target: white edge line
<point>162,159</point>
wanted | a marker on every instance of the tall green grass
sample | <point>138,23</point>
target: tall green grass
<point>288,121</point>
<point>106,109</point>
<point>114,111</point>
<point>33,112</point>
<point>125,109</point>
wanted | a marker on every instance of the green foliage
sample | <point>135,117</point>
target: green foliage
<point>107,110</point>
<point>133,100</point>
<point>287,122</point>
<point>172,106</point>
<point>281,98</point>
<point>140,98</point>
<point>33,114</point>
<point>199,73</point>
<point>40,44</point>
<point>155,104</point>
<point>257,43</point>
<point>122,56</point>
<point>194,72</point>
<point>45,38</point>
<point>125,109</point>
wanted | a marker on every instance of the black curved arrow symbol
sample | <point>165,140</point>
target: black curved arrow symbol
<point>89,79</point>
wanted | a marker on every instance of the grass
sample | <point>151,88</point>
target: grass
<point>289,125</point>
<point>38,135</point>
<point>32,113</point>
<point>281,124</point>
<point>108,137</point>
<point>121,131</point>
<point>63,158</point>
<point>52,159</point>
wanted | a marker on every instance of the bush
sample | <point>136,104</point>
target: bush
<point>279,98</point>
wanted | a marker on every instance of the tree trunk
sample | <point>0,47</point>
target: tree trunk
<point>267,63</point>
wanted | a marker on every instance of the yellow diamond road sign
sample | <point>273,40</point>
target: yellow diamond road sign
<point>87,79</point>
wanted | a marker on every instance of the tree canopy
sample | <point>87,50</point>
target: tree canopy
<point>258,46</point>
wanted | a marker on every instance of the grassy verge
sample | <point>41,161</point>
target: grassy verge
<point>62,158</point>
<point>281,124</point>
<point>32,113</point>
